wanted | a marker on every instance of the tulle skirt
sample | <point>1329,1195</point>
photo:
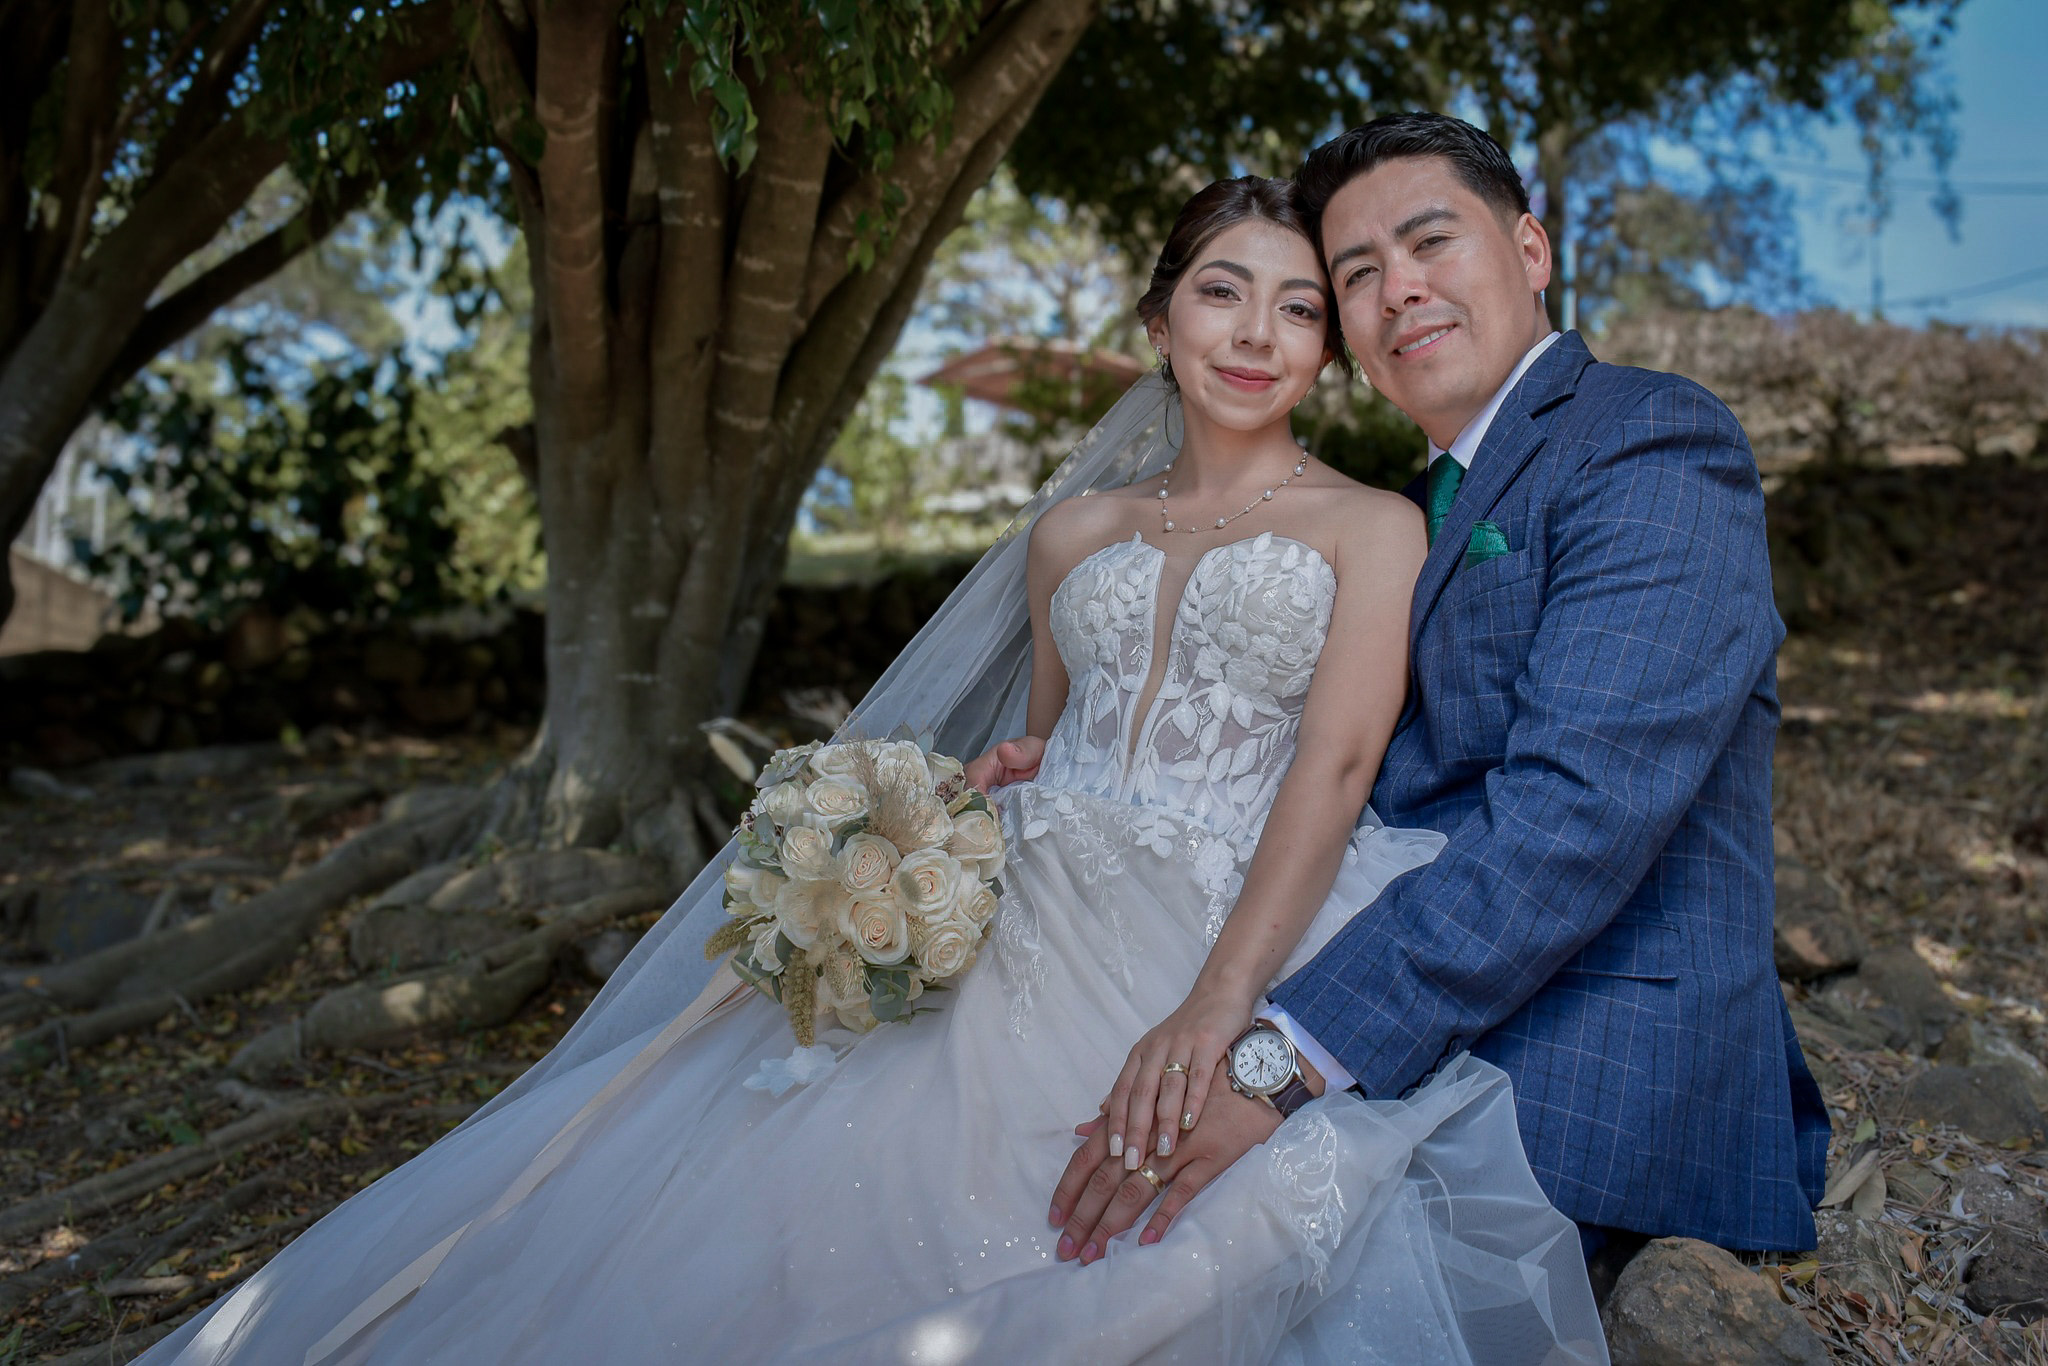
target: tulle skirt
<point>894,1209</point>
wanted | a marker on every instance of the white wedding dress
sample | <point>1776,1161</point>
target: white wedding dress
<point>894,1210</point>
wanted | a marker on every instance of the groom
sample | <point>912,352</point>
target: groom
<point>1593,650</point>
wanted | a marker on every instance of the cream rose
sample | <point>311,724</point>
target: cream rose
<point>783,803</point>
<point>834,761</point>
<point>740,879</point>
<point>837,799</point>
<point>866,863</point>
<point>948,948</point>
<point>810,912</point>
<point>976,902</point>
<point>944,768</point>
<point>879,929</point>
<point>926,882</point>
<point>926,824</point>
<point>807,853</point>
<point>977,842</point>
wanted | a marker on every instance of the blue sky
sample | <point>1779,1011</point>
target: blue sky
<point>1996,59</point>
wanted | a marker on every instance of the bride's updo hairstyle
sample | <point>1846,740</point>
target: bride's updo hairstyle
<point>1215,209</point>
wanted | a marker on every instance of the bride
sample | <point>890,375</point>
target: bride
<point>1213,648</point>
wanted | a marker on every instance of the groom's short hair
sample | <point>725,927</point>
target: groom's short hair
<point>1481,164</point>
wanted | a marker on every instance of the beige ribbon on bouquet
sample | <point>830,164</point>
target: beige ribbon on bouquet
<point>724,989</point>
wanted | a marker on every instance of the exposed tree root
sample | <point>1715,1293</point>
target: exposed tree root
<point>102,1193</point>
<point>137,983</point>
<point>480,990</point>
<point>133,1251</point>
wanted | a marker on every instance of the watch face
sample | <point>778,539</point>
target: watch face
<point>1262,1061</point>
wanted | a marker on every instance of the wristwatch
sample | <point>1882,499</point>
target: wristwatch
<point>1262,1064</point>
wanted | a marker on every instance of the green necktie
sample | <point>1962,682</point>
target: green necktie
<point>1445,474</point>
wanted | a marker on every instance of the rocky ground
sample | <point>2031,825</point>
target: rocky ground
<point>142,1175</point>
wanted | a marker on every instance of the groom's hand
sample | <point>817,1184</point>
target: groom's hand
<point>1012,761</point>
<point>1098,1198</point>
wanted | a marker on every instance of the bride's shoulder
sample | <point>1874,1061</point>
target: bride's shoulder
<point>1372,527</point>
<point>1075,527</point>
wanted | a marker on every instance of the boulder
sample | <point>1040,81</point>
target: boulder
<point>1899,991</point>
<point>1988,1101</point>
<point>1973,1041</point>
<point>1859,1254</point>
<point>1682,1302</point>
<point>2009,1277</point>
<point>92,911</point>
<point>1992,1198</point>
<point>1812,935</point>
<point>388,659</point>
<point>255,640</point>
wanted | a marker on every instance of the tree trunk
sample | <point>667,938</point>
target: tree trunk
<point>699,336</point>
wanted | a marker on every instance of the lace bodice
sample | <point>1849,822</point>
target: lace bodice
<point>1209,731</point>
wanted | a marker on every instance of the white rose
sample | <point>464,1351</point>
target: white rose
<point>866,862</point>
<point>978,843</point>
<point>809,912</point>
<point>976,902</point>
<point>879,929</point>
<point>948,948</point>
<point>901,765</point>
<point>926,824</point>
<point>740,879</point>
<point>926,882</point>
<point>944,768</point>
<point>782,803</point>
<point>834,761</point>
<point>807,853</point>
<point>837,799</point>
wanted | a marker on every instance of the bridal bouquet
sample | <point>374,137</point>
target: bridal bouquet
<point>866,876</point>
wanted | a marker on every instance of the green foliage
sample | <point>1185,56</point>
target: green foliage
<point>1357,432</point>
<point>875,67</point>
<point>316,499</point>
<point>884,473</point>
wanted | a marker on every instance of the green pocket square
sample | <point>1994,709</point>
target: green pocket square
<point>1488,542</point>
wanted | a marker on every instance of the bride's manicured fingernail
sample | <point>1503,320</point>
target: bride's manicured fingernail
<point>1187,1121</point>
<point>1149,1237</point>
<point>1166,1145</point>
<point>1134,1157</point>
<point>1090,1253</point>
<point>1116,1145</point>
<point>1066,1248</point>
<point>1054,1217</point>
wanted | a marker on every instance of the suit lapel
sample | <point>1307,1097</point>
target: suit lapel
<point>1518,432</point>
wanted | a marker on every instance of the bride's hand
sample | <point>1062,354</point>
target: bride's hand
<point>1154,1101</point>
<point>1012,761</point>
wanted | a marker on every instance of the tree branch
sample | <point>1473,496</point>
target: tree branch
<point>573,38</point>
<point>82,147</point>
<point>691,189</point>
<point>507,92</point>
<point>765,275</point>
<point>202,105</point>
<point>170,319</point>
<point>1004,63</point>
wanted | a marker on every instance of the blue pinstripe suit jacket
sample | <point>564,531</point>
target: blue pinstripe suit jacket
<point>1590,721</point>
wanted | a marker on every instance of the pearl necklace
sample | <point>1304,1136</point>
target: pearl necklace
<point>1222,522</point>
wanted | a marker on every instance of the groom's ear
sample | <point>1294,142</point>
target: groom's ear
<point>1533,245</point>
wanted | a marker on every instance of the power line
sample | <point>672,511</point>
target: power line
<point>1995,187</point>
<point>1969,291</point>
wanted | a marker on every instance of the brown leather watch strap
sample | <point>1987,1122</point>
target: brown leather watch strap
<point>1291,1097</point>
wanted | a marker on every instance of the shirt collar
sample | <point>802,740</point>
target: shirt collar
<point>1466,443</point>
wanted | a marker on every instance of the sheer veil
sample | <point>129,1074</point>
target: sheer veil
<point>963,680</point>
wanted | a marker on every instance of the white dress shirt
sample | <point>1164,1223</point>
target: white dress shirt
<point>1462,448</point>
